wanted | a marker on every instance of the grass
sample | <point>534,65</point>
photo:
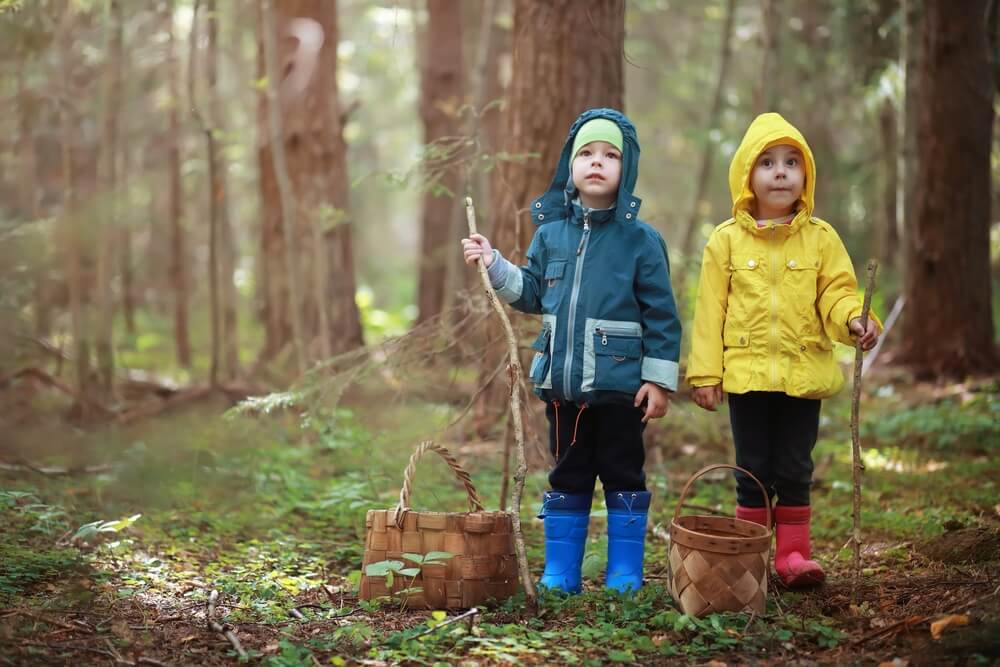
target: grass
<point>267,509</point>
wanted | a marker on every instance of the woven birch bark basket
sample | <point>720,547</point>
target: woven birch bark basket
<point>483,564</point>
<point>718,563</point>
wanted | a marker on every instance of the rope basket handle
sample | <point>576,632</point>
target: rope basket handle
<point>716,466</point>
<point>475,504</point>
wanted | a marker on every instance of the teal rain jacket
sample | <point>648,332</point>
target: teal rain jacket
<point>601,281</point>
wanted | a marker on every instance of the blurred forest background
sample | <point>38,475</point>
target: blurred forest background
<point>153,152</point>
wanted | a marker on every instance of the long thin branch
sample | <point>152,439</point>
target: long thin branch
<point>855,432</point>
<point>515,407</point>
<point>454,619</point>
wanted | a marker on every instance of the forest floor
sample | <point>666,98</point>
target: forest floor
<point>268,511</point>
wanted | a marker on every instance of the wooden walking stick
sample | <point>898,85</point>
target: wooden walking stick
<point>515,408</point>
<point>855,434</point>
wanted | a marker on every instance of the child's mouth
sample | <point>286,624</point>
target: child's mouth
<point>595,177</point>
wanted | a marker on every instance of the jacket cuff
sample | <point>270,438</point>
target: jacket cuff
<point>506,278</point>
<point>660,372</point>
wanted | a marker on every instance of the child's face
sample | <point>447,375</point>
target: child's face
<point>777,180</point>
<point>597,171</point>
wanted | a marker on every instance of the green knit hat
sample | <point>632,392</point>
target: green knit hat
<point>598,129</point>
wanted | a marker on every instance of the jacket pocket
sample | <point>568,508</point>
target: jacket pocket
<point>552,284</point>
<point>541,364</point>
<point>814,372</point>
<point>617,360</point>
<point>800,274</point>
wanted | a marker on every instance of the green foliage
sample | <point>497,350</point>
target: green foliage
<point>969,426</point>
<point>390,568</point>
<point>26,553</point>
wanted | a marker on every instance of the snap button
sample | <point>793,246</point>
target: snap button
<point>743,341</point>
<point>628,216</point>
<point>541,217</point>
<point>792,264</point>
<point>538,204</point>
<point>632,204</point>
<point>802,347</point>
<point>751,263</point>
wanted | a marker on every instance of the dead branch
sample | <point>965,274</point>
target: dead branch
<point>454,619</point>
<point>515,406</point>
<point>151,410</point>
<point>224,630</point>
<point>38,374</point>
<point>23,466</point>
<point>918,620</point>
<point>855,432</point>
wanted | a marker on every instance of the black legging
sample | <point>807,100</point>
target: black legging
<point>608,445</point>
<point>774,435</point>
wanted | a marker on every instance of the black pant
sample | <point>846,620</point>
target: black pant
<point>774,435</point>
<point>608,445</point>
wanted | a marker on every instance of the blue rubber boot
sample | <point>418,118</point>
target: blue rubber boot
<point>566,517</point>
<point>627,511</point>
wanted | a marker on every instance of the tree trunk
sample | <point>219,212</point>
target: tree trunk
<point>575,57</point>
<point>765,95</point>
<point>108,211</point>
<point>311,135</point>
<point>178,262</point>
<point>888,232</point>
<point>208,130</point>
<point>910,44</point>
<point>441,100</point>
<point>229,297</point>
<point>125,251</point>
<point>73,243</point>
<point>715,111</point>
<point>949,327</point>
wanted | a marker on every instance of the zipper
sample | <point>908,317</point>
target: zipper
<point>581,253</point>
<point>614,332</point>
<point>773,342</point>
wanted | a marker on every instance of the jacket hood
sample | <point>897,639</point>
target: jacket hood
<point>766,130</point>
<point>556,202</point>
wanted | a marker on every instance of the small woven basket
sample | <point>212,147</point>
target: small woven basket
<point>483,564</point>
<point>718,563</point>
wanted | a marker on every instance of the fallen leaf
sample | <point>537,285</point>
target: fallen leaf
<point>939,626</point>
<point>895,662</point>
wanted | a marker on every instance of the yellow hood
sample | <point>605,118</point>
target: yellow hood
<point>766,130</point>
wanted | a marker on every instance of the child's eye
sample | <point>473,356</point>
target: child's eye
<point>766,162</point>
<point>792,162</point>
<point>614,156</point>
<point>584,153</point>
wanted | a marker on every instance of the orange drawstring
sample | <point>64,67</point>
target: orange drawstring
<point>577,424</point>
<point>555,404</point>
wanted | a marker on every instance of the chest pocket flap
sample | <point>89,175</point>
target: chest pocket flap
<point>745,262</point>
<point>555,269</point>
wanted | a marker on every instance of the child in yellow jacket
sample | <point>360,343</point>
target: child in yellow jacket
<point>776,288</point>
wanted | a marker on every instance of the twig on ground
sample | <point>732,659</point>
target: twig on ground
<point>144,660</point>
<point>454,619</point>
<point>918,620</point>
<point>223,630</point>
<point>23,465</point>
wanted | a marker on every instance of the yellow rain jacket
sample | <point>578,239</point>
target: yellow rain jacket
<point>772,299</point>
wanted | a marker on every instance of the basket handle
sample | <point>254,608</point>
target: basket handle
<point>716,466</point>
<point>475,503</point>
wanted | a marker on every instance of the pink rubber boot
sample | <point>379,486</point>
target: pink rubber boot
<point>755,514</point>
<point>791,558</point>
